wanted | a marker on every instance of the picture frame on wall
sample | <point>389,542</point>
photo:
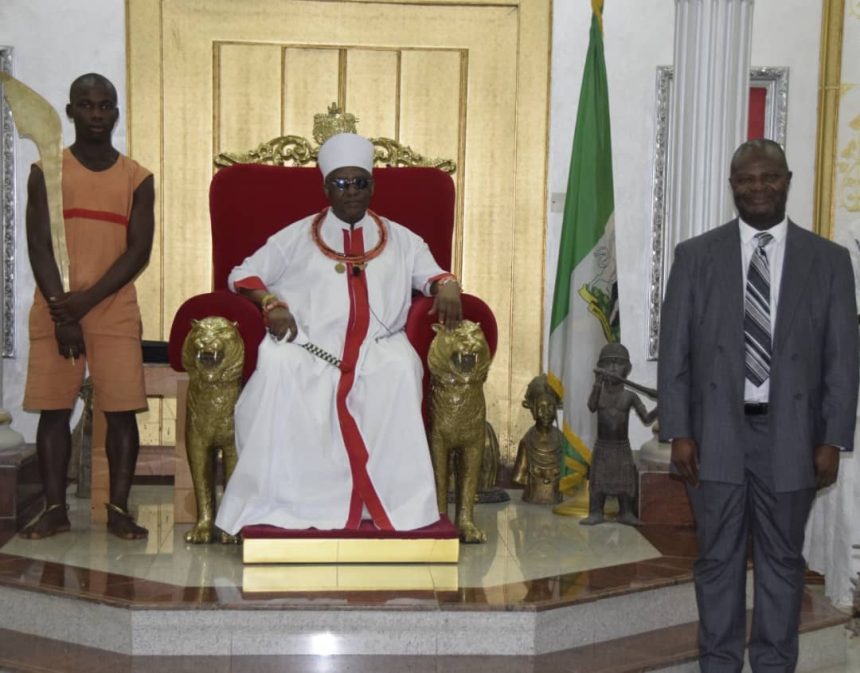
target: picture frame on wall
<point>767,118</point>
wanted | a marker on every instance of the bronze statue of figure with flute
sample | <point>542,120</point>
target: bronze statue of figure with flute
<point>613,472</point>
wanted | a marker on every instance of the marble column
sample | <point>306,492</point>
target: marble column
<point>713,39</point>
<point>707,122</point>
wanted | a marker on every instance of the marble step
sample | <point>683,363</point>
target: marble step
<point>668,650</point>
<point>622,624</point>
<point>398,628</point>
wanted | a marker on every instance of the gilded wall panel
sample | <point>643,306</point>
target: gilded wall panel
<point>527,267</point>
<point>432,113</point>
<point>371,83</point>
<point>247,95</point>
<point>188,133</point>
<point>144,94</point>
<point>311,83</point>
<point>431,103</point>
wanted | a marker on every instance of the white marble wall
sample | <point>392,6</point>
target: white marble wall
<point>56,40</point>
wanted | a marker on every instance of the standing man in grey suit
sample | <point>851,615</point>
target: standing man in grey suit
<point>758,377</point>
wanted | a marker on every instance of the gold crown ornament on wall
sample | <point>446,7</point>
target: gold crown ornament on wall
<point>336,120</point>
<point>293,150</point>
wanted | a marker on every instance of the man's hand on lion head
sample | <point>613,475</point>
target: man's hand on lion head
<point>446,304</point>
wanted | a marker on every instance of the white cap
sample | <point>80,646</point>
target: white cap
<point>345,149</point>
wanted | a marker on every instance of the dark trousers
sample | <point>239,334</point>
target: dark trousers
<point>727,516</point>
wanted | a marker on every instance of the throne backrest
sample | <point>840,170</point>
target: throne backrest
<point>250,202</point>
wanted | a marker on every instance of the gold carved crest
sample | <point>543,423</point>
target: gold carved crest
<point>293,150</point>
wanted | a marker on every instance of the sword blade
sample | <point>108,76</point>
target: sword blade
<point>37,120</point>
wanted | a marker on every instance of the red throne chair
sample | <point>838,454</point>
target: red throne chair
<point>250,202</point>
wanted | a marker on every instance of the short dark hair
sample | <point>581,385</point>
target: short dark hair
<point>91,79</point>
<point>759,146</point>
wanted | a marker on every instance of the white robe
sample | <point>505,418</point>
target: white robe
<point>294,468</point>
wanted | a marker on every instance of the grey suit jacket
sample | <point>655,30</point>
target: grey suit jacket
<point>814,367</point>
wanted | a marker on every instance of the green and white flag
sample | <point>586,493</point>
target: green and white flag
<point>585,300</point>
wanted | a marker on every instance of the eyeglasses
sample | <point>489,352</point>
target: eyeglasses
<point>343,183</point>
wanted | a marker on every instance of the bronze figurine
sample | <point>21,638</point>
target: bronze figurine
<point>538,464</point>
<point>613,471</point>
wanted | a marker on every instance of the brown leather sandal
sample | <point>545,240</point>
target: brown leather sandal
<point>135,530</point>
<point>28,533</point>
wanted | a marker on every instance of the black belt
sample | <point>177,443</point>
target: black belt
<point>756,408</point>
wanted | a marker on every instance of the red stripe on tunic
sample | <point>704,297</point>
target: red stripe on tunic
<point>356,331</point>
<point>103,215</point>
<point>441,276</point>
<point>438,277</point>
<point>250,283</point>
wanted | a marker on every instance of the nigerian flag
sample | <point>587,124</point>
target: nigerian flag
<point>585,300</point>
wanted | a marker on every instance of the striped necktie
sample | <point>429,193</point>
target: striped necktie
<point>757,336</point>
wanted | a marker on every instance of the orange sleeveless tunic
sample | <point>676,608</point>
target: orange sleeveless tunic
<point>96,208</point>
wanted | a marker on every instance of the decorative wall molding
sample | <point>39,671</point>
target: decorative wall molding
<point>848,170</point>
<point>829,101</point>
<point>775,80</point>
<point>7,212</point>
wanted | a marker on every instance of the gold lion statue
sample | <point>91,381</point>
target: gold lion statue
<point>213,354</point>
<point>459,360</point>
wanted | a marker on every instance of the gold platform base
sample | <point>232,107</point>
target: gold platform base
<point>382,577</point>
<point>343,550</point>
<point>575,502</point>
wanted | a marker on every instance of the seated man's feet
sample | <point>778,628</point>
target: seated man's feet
<point>54,519</point>
<point>122,524</point>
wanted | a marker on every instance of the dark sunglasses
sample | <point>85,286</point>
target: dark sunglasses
<point>343,183</point>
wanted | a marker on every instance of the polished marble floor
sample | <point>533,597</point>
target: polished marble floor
<point>524,542</point>
<point>533,560</point>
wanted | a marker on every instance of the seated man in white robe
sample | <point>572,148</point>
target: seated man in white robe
<point>329,427</point>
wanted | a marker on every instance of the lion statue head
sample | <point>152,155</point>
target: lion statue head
<point>461,355</point>
<point>213,351</point>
